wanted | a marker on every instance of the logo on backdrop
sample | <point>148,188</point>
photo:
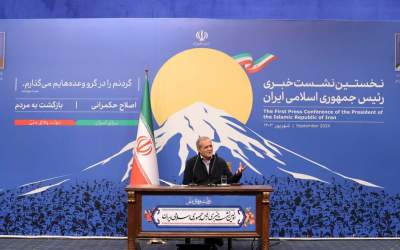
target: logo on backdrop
<point>144,145</point>
<point>201,37</point>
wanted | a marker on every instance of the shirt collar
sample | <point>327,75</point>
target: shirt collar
<point>204,159</point>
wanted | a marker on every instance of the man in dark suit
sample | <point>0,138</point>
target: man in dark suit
<point>207,168</point>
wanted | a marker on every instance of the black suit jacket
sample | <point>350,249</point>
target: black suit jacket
<point>196,172</point>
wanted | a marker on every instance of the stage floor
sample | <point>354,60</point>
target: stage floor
<point>114,244</point>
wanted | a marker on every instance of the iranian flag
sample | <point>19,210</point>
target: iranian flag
<point>144,167</point>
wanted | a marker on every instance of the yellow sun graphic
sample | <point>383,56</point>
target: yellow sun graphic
<point>201,75</point>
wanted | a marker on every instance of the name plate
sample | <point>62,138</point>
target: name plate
<point>198,213</point>
<point>198,216</point>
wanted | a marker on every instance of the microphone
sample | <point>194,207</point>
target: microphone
<point>194,168</point>
<point>215,159</point>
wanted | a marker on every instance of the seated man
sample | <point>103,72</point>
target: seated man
<point>207,168</point>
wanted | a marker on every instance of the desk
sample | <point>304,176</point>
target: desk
<point>151,212</point>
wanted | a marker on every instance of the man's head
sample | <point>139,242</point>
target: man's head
<point>205,147</point>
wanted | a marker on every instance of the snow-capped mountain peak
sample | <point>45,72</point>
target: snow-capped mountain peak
<point>201,119</point>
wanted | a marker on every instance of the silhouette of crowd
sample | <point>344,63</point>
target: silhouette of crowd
<point>346,209</point>
<point>84,209</point>
<point>298,209</point>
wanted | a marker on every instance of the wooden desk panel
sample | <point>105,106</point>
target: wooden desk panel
<point>135,194</point>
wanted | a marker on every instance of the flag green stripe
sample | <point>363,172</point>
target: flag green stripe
<point>262,59</point>
<point>242,55</point>
<point>106,122</point>
<point>146,109</point>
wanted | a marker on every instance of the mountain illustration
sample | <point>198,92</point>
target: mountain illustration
<point>228,135</point>
<point>201,119</point>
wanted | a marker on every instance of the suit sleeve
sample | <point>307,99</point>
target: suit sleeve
<point>232,178</point>
<point>188,174</point>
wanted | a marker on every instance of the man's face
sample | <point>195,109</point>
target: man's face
<point>206,149</point>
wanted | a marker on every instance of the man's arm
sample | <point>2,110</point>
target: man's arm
<point>236,177</point>
<point>187,174</point>
<point>232,178</point>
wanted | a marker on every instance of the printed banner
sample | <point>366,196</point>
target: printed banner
<point>198,213</point>
<point>310,107</point>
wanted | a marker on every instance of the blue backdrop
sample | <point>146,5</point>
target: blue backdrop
<point>270,9</point>
<point>320,125</point>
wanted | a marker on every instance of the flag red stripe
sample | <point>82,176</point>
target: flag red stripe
<point>138,175</point>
